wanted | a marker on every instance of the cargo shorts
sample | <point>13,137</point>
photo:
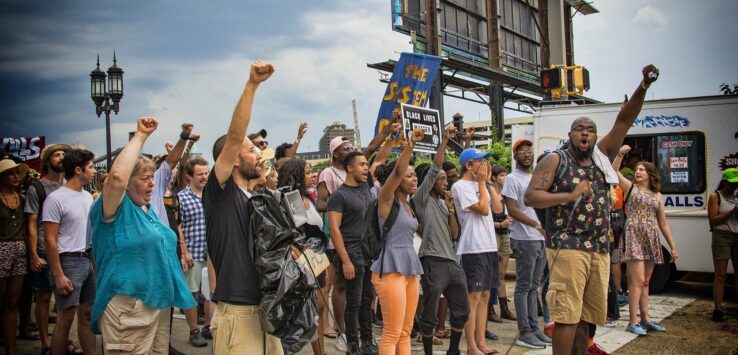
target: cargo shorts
<point>577,288</point>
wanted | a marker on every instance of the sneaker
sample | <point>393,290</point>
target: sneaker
<point>353,349</point>
<point>718,315</point>
<point>653,326</point>
<point>635,329</point>
<point>542,337</point>
<point>173,351</point>
<point>549,329</point>
<point>622,298</point>
<point>196,339</point>
<point>341,343</point>
<point>529,340</point>
<point>595,349</point>
<point>369,347</point>
<point>490,335</point>
<point>206,333</point>
<point>611,323</point>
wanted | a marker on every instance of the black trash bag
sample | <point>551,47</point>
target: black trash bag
<point>288,308</point>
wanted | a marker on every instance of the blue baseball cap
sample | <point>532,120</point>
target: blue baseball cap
<point>472,153</point>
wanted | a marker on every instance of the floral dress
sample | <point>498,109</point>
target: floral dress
<point>642,241</point>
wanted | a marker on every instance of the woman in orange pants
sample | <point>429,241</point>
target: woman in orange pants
<point>395,274</point>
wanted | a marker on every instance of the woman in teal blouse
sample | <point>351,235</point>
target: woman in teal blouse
<point>138,274</point>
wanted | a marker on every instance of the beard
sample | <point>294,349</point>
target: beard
<point>248,172</point>
<point>582,154</point>
<point>56,168</point>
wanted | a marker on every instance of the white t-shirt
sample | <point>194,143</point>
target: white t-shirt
<point>70,209</point>
<point>515,185</point>
<point>477,231</point>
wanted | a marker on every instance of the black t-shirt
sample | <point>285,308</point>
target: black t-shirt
<point>229,245</point>
<point>352,203</point>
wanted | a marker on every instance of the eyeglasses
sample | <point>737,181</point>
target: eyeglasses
<point>592,130</point>
<point>349,148</point>
<point>263,144</point>
<point>524,152</point>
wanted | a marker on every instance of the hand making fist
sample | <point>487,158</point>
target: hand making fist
<point>146,125</point>
<point>260,71</point>
<point>418,134</point>
<point>624,150</point>
<point>650,74</point>
<point>449,132</point>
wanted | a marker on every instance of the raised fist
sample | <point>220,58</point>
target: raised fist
<point>260,71</point>
<point>146,125</point>
<point>650,74</point>
<point>418,134</point>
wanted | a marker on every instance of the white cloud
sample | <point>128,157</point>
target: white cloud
<point>313,82</point>
<point>651,16</point>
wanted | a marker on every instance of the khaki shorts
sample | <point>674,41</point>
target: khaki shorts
<point>577,288</point>
<point>130,327</point>
<point>503,244</point>
<point>237,330</point>
<point>193,276</point>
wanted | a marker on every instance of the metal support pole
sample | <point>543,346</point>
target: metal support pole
<point>496,105</point>
<point>107,138</point>
<point>433,28</point>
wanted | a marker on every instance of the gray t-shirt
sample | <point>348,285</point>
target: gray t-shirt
<point>33,207</point>
<point>352,203</point>
<point>398,254</point>
<point>433,216</point>
<point>515,185</point>
<point>70,209</point>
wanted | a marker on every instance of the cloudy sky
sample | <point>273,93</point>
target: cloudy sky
<point>188,61</point>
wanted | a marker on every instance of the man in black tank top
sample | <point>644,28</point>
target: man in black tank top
<point>578,204</point>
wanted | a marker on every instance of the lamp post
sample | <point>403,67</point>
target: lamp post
<point>102,98</point>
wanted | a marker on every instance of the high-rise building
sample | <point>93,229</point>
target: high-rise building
<point>483,129</point>
<point>337,129</point>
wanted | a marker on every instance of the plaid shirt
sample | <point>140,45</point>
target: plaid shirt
<point>193,223</point>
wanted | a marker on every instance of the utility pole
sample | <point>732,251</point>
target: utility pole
<point>433,45</point>
<point>357,133</point>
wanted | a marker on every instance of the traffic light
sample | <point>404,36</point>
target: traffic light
<point>578,79</point>
<point>554,80</point>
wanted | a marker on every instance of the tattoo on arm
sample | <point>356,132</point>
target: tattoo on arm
<point>544,180</point>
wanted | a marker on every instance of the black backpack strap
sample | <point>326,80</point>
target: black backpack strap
<point>41,193</point>
<point>563,164</point>
<point>391,218</point>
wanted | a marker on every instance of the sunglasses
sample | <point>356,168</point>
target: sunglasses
<point>263,144</point>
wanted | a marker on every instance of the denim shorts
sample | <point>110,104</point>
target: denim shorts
<point>40,280</point>
<point>78,269</point>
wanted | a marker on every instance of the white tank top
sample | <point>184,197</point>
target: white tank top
<point>313,216</point>
<point>727,203</point>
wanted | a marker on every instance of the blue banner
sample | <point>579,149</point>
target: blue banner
<point>410,84</point>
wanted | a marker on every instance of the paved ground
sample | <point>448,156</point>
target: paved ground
<point>686,324</point>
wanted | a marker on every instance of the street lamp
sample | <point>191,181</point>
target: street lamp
<point>102,98</point>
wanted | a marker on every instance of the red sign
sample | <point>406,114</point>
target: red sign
<point>25,149</point>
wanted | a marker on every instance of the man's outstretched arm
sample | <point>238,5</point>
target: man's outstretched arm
<point>260,72</point>
<point>611,142</point>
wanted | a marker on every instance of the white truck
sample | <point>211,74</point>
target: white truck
<point>691,141</point>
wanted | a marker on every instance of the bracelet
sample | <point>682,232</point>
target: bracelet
<point>452,210</point>
<point>297,141</point>
<point>643,86</point>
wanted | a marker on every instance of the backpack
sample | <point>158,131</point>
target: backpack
<point>372,240</point>
<point>41,192</point>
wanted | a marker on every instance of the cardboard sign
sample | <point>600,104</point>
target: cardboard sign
<point>426,119</point>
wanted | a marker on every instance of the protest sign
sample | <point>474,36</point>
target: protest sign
<point>25,149</point>
<point>410,83</point>
<point>426,119</point>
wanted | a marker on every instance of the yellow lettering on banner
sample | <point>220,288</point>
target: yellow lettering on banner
<point>417,73</point>
<point>419,97</point>
<point>405,95</point>
<point>392,91</point>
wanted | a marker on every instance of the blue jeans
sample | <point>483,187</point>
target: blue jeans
<point>544,291</point>
<point>530,259</point>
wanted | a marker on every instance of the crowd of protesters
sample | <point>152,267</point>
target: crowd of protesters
<point>121,256</point>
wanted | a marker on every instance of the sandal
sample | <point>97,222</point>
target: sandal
<point>332,335</point>
<point>442,334</point>
<point>73,350</point>
<point>437,341</point>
